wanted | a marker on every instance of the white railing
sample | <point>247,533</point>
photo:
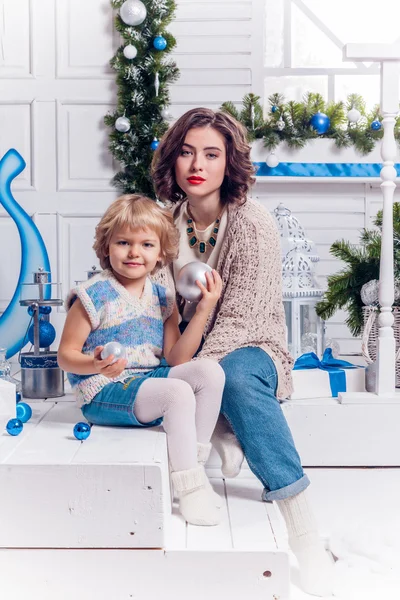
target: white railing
<point>388,55</point>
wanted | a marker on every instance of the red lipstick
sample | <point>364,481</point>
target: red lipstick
<point>195,180</point>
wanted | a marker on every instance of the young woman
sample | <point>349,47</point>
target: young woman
<point>202,167</point>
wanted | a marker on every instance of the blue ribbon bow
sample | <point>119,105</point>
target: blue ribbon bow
<point>334,366</point>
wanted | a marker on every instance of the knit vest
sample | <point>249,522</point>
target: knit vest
<point>115,315</point>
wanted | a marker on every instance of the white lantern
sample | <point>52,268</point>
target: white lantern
<point>301,292</point>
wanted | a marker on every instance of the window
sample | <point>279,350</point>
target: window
<point>304,41</point>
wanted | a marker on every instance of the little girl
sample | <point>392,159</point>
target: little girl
<point>134,238</point>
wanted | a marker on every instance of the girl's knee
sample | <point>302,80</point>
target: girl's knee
<point>212,373</point>
<point>180,395</point>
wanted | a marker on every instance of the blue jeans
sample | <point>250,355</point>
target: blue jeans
<point>250,405</point>
<point>113,405</point>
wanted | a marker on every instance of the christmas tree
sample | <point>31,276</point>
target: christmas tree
<point>143,73</point>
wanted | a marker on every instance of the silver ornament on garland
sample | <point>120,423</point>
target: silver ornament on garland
<point>133,12</point>
<point>370,293</point>
<point>157,83</point>
<point>353,115</point>
<point>280,125</point>
<point>272,160</point>
<point>130,52</point>
<point>166,114</point>
<point>122,124</point>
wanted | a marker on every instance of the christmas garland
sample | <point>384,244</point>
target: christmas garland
<point>143,75</point>
<point>296,123</point>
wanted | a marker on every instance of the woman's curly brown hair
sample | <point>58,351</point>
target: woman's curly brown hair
<point>239,168</point>
<point>137,212</point>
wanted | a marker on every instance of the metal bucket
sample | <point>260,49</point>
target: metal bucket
<point>41,377</point>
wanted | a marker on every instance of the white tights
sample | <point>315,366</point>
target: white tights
<point>189,401</point>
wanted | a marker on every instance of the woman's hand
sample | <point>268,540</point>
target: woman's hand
<point>104,366</point>
<point>211,293</point>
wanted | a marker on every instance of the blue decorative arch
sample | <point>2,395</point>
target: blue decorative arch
<point>15,319</point>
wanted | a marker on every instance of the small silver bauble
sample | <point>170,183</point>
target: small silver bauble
<point>114,348</point>
<point>272,160</point>
<point>122,124</point>
<point>130,52</point>
<point>185,282</point>
<point>370,292</point>
<point>280,125</point>
<point>133,12</point>
<point>166,114</point>
<point>354,115</point>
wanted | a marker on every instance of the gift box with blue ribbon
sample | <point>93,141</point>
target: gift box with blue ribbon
<point>315,378</point>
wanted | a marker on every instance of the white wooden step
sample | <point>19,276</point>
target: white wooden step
<point>110,491</point>
<point>101,509</point>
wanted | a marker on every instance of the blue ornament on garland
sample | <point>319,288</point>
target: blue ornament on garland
<point>24,412</point>
<point>274,108</point>
<point>14,427</point>
<point>320,122</point>
<point>47,334</point>
<point>82,431</point>
<point>160,43</point>
<point>18,397</point>
<point>154,144</point>
<point>376,125</point>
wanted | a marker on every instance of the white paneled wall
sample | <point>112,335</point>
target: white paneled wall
<point>55,88</point>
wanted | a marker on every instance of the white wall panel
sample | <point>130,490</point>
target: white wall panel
<point>16,131</point>
<point>196,44</point>
<point>84,162</point>
<point>75,241</point>
<point>212,10</point>
<point>85,39</point>
<point>212,61</point>
<point>15,38</point>
<point>198,95</point>
<point>10,252</point>
<point>195,77</point>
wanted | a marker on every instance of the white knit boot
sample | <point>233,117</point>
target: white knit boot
<point>203,452</point>
<point>226,444</point>
<point>196,504</point>
<point>315,564</point>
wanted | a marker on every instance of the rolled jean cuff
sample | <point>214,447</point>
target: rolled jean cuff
<point>288,491</point>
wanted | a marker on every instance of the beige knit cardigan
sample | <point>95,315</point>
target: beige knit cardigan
<point>250,310</point>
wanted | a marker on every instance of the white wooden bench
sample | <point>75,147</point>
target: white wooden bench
<point>93,519</point>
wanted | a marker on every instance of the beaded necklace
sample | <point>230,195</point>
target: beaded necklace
<point>193,239</point>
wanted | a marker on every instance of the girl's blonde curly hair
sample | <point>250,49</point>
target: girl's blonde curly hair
<point>137,212</point>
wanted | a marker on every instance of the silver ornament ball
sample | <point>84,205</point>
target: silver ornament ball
<point>280,125</point>
<point>122,124</point>
<point>133,12</point>
<point>130,52</point>
<point>370,292</point>
<point>272,160</point>
<point>166,114</point>
<point>114,348</point>
<point>354,115</point>
<point>185,282</point>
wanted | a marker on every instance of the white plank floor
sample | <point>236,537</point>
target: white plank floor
<point>343,498</point>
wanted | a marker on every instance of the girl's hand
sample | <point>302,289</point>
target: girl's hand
<point>211,293</point>
<point>104,366</point>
